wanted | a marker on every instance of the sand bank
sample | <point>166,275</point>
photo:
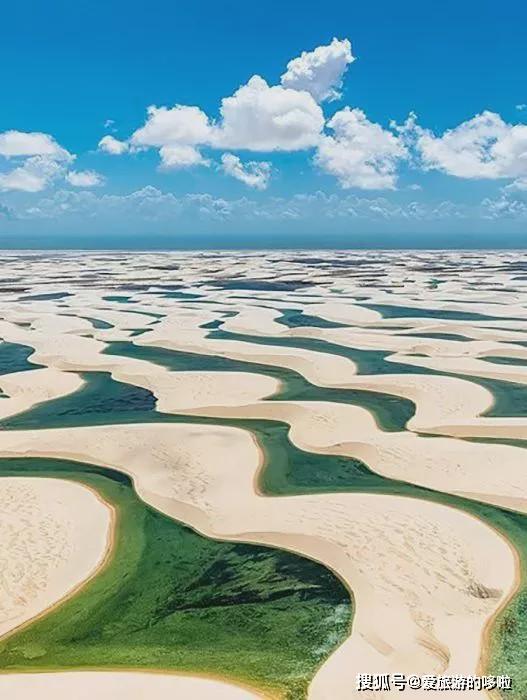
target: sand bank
<point>55,535</point>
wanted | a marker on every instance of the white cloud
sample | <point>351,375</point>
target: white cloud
<point>38,160</point>
<point>517,186</point>
<point>84,178</point>
<point>180,125</point>
<point>24,144</point>
<point>253,174</point>
<point>320,72</point>
<point>150,204</point>
<point>176,156</point>
<point>259,117</point>
<point>484,147</point>
<point>521,107</point>
<point>109,144</point>
<point>33,175</point>
<point>504,208</point>
<point>147,203</point>
<point>360,153</point>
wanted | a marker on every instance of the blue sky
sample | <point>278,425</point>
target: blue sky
<point>318,153</point>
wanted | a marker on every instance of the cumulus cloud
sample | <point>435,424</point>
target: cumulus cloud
<point>84,178</point>
<point>260,117</point>
<point>320,72</point>
<point>360,153</point>
<point>484,147</point>
<point>33,175</point>
<point>257,117</point>
<point>109,144</point>
<point>23,144</point>
<point>180,125</point>
<point>253,174</point>
<point>176,156</point>
<point>176,132</point>
<point>35,160</point>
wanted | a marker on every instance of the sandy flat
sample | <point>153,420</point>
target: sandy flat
<point>55,534</point>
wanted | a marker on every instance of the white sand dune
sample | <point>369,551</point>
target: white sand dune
<point>55,535</point>
<point>426,578</point>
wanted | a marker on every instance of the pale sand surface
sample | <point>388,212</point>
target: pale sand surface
<point>26,389</point>
<point>55,534</point>
<point>416,568</point>
<point>118,685</point>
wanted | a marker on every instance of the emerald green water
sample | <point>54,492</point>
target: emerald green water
<point>295,319</point>
<point>173,599</point>
<point>51,296</point>
<point>439,336</point>
<point>14,358</point>
<point>518,361</point>
<point>98,323</point>
<point>393,311</point>
<point>118,298</point>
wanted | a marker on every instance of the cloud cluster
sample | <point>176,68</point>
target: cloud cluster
<point>257,117</point>
<point>260,117</point>
<point>484,147</point>
<point>254,174</point>
<point>23,144</point>
<point>84,178</point>
<point>151,204</point>
<point>109,144</point>
<point>320,72</point>
<point>35,160</point>
<point>360,153</point>
<point>291,116</point>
